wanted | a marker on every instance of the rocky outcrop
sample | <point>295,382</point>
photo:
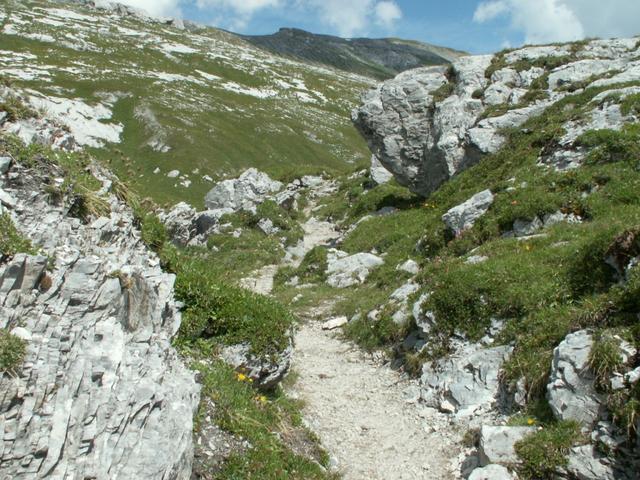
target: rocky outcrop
<point>429,124</point>
<point>243,193</point>
<point>465,383</point>
<point>102,393</point>
<point>571,392</point>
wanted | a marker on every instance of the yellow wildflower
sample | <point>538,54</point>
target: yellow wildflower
<point>241,377</point>
<point>531,421</point>
<point>262,399</point>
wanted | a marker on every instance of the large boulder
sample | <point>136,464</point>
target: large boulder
<point>585,463</point>
<point>571,391</point>
<point>242,193</point>
<point>467,382</point>
<point>414,138</point>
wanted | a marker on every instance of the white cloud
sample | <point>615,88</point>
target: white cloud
<point>158,8</point>
<point>346,17</point>
<point>353,17</point>
<point>544,21</point>
<point>387,13</point>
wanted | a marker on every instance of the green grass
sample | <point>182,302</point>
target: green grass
<point>11,242</point>
<point>272,424</point>
<point>12,351</point>
<point>543,452</point>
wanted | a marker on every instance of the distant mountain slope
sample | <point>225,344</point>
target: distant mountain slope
<point>174,106</point>
<point>378,58</point>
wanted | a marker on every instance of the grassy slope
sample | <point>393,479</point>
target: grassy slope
<point>207,126</point>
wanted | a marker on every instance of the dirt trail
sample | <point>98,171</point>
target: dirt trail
<point>366,415</point>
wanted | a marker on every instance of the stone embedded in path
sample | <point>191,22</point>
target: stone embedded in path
<point>335,323</point>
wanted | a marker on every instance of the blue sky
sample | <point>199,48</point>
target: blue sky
<point>476,26</point>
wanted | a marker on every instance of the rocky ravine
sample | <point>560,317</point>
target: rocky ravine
<point>102,393</point>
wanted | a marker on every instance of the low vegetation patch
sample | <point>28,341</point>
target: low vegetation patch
<point>12,351</point>
<point>11,242</point>
<point>543,452</point>
<point>271,423</point>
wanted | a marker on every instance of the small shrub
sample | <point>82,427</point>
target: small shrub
<point>11,242</point>
<point>153,232</point>
<point>444,92</point>
<point>16,109</point>
<point>478,94</point>
<point>12,351</point>
<point>543,452</point>
<point>608,146</point>
<point>605,358</point>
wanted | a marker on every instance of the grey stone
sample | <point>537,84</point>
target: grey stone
<point>464,216</point>
<point>491,472</point>
<point>570,391</point>
<point>410,266</point>
<point>345,270</point>
<point>476,259</point>
<point>265,373</point>
<point>525,228</point>
<point>402,294</point>
<point>22,333</point>
<point>497,444</point>
<point>335,323</point>
<point>5,163</point>
<point>584,463</point>
<point>102,393</point>
<point>242,193</point>
<point>379,174</point>
<point>173,174</point>
<point>469,380</point>
<point>267,227</point>
<point>7,199</point>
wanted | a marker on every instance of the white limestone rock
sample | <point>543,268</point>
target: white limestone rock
<point>379,174</point>
<point>571,391</point>
<point>491,472</point>
<point>464,216</point>
<point>344,270</point>
<point>497,444</point>
<point>468,379</point>
<point>243,193</point>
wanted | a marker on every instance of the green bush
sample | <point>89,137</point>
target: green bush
<point>12,351</point>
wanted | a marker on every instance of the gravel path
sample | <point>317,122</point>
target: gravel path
<point>366,414</point>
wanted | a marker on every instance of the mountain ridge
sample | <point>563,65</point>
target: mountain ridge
<point>380,58</point>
